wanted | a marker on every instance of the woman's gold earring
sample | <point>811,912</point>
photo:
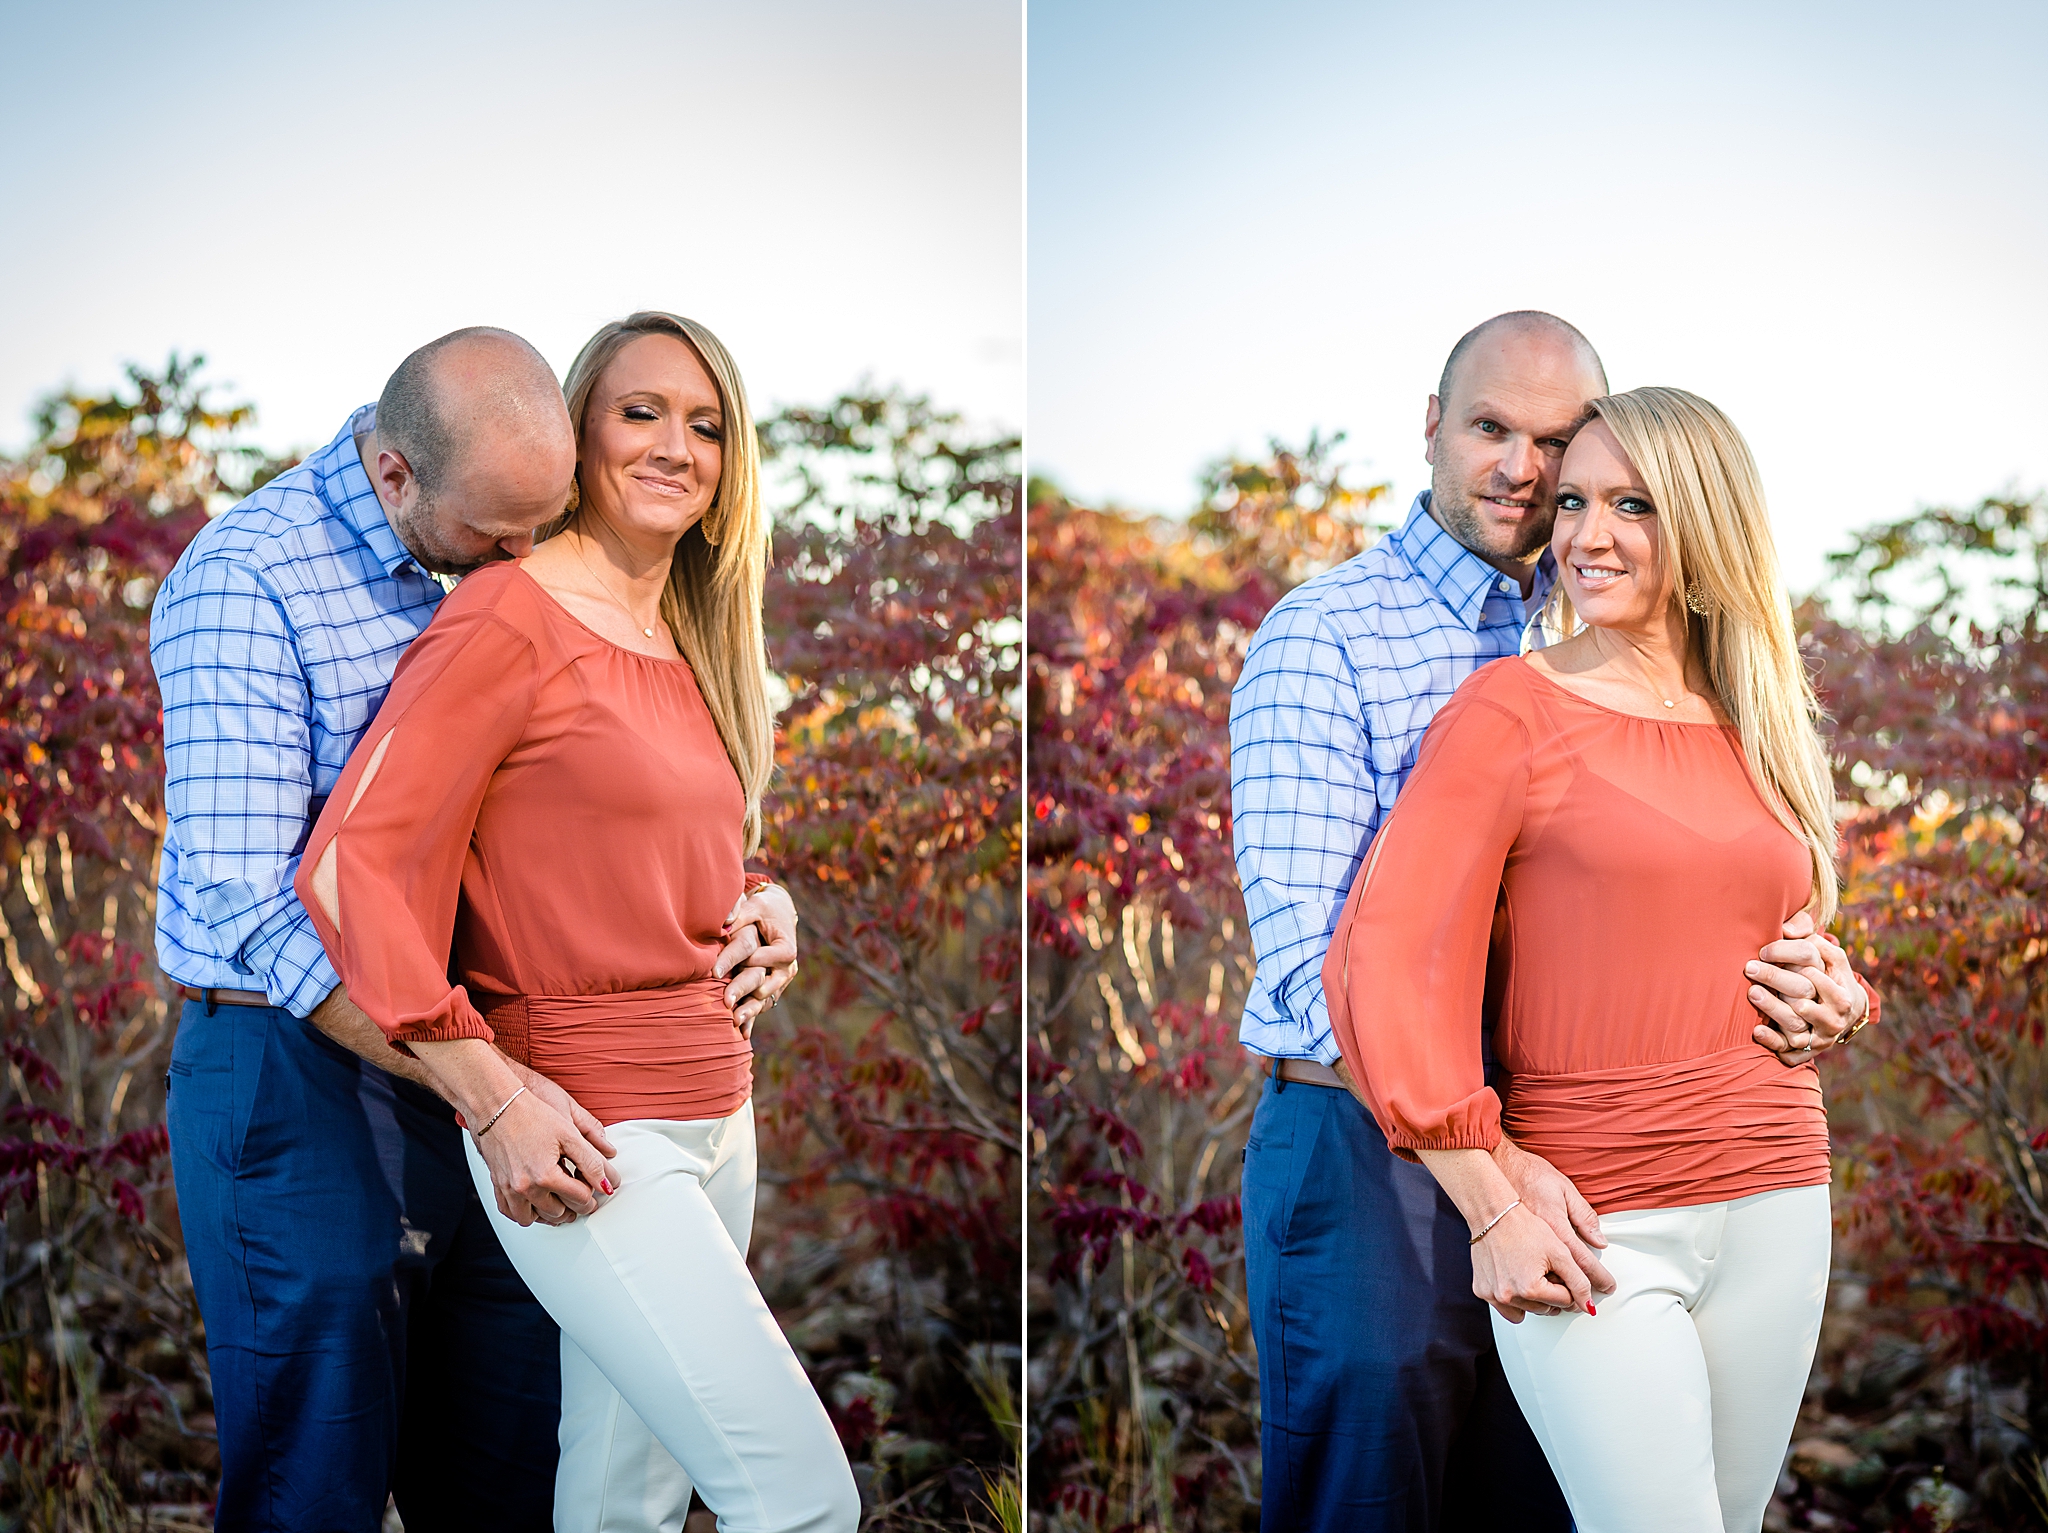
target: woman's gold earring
<point>704,525</point>
<point>575,496</point>
<point>1697,600</point>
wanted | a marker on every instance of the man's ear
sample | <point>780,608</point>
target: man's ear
<point>394,474</point>
<point>1432,419</point>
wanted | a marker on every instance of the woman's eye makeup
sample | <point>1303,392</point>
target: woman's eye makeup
<point>641,413</point>
<point>1635,505</point>
<point>1569,502</point>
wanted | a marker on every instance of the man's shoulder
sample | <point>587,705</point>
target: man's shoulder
<point>1346,600</point>
<point>274,529</point>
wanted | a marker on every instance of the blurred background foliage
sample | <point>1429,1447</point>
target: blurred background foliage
<point>1928,1406</point>
<point>887,1239</point>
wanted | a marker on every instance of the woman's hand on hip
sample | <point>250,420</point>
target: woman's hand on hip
<point>580,1118</point>
<point>1555,1199</point>
<point>522,1136</point>
<point>1523,1268</point>
<point>525,1149</point>
<point>759,955</point>
<point>1520,1265</point>
<point>1803,984</point>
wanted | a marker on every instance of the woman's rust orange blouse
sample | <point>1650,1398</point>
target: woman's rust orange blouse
<point>547,850</point>
<point>1600,879</point>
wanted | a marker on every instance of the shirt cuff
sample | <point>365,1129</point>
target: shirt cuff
<point>1473,1124</point>
<point>297,973</point>
<point>457,1020</point>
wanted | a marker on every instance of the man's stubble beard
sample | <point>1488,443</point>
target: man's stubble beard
<point>1457,512</point>
<point>415,529</point>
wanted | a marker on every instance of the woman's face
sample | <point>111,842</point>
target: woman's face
<point>653,439</point>
<point>1606,539</point>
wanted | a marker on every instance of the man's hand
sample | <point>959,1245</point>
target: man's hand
<point>1804,985</point>
<point>759,954</point>
<point>1549,1194</point>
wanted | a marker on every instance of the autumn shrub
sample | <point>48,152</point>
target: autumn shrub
<point>890,1109</point>
<point>1928,1403</point>
<point>887,1240</point>
<point>102,1362</point>
<point>1933,659</point>
<point>1143,1381</point>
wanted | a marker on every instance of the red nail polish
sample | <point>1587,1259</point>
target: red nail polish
<point>605,1183</point>
<point>1590,1310</point>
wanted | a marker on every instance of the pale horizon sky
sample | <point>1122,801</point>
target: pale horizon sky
<point>1827,218</point>
<point>306,195</point>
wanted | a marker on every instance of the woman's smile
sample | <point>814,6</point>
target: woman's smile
<point>1597,577</point>
<point>661,485</point>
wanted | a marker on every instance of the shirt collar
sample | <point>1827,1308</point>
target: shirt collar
<point>338,470</point>
<point>1459,576</point>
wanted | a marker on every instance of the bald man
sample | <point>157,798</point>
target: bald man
<point>365,1333</point>
<point>1382,1401</point>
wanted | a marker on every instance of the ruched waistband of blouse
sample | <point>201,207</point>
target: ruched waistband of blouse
<point>671,1053</point>
<point>1666,1135</point>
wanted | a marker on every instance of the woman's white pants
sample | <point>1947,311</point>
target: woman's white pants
<point>1671,1408</point>
<point>674,1373</point>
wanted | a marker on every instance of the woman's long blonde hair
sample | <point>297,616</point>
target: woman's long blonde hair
<point>1717,544</point>
<point>712,603</point>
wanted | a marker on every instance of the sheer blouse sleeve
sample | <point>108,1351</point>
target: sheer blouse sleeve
<point>1406,972</point>
<point>400,819</point>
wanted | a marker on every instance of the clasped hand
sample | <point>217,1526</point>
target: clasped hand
<point>759,954</point>
<point>1803,984</point>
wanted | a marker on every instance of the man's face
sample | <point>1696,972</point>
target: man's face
<point>488,505</point>
<point>1495,445</point>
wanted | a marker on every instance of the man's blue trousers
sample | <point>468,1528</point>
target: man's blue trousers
<point>1382,1400</point>
<point>365,1332</point>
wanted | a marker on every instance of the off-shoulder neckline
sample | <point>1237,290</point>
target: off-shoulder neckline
<point>1621,713</point>
<point>548,596</point>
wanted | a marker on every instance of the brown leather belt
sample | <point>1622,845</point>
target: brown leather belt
<point>1306,1072</point>
<point>212,998</point>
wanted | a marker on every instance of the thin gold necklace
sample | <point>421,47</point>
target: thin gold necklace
<point>1656,691</point>
<point>649,632</point>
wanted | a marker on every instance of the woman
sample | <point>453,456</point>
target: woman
<point>1595,837</point>
<point>562,785</point>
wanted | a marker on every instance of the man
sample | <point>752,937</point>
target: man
<point>1383,1401</point>
<point>365,1332</point>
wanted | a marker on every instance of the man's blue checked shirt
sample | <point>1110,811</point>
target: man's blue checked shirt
<point>1339,685</point>
<point>274,640</point>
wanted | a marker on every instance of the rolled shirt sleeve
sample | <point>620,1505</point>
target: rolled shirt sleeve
<point>459,703</point>
<point>1303,803</point>
<point>238,770</point>
<point>1406,971</point>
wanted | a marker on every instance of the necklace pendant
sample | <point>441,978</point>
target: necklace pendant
<point>650,634</point>
<point>1669,703</point>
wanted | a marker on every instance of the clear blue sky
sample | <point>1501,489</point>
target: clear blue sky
<point>1828,218</point>
<point>306,193</point>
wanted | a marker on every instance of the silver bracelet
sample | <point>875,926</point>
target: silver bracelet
<point>508,1102</point>
<point>1495,1220</point>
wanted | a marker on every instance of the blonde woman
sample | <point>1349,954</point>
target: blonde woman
<point>561,789</point>
<point>1595,837</point>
